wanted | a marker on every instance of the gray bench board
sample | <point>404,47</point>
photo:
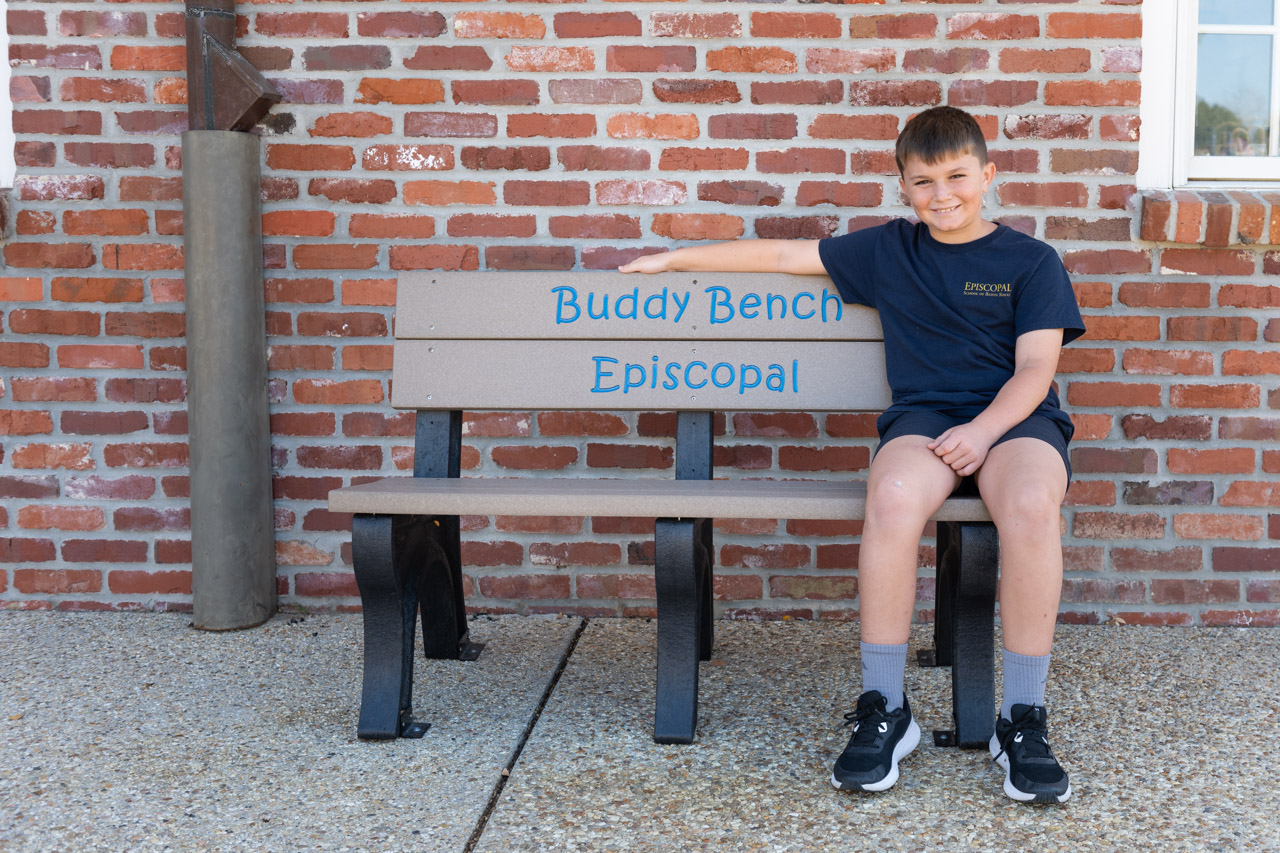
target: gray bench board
<point>634,498</point>
<point>544,341</point>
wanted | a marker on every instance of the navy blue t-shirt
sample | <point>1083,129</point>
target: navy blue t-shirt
<point>951,312</point>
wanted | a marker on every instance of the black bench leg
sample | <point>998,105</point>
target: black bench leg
<point>444,610</point>
<point>706,588</point>
<point>968,571</point>
<point>389,574</point>
<point>681,574</point>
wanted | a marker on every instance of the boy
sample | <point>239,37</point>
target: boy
<point>974,316</point>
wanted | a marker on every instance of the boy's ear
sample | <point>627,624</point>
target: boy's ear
<point>989,172</point>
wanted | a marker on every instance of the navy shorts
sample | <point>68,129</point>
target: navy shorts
<point>933,424</point>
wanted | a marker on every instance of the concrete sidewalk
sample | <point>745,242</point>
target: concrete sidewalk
<point>133,732</point>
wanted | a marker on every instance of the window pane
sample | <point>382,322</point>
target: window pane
<point>1236,11</point>
<point>1233,95</point>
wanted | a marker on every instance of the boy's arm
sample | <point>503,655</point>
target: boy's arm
<point>789,256</point>
<point>1035,361</point>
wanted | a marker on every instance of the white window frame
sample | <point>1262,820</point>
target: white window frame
<point>1167,109</point>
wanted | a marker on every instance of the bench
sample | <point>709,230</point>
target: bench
<point>695,344</point>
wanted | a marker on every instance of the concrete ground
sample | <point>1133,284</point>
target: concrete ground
<point>134,732</point>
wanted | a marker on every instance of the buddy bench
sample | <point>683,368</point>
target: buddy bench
<point>692,343</point>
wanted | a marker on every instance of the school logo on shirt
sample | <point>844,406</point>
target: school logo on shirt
<point>978,288</point>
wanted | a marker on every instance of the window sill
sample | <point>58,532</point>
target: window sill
<point>1215,218</point>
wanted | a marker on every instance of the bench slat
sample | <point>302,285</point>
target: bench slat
<point>480,375</point>
<point>561,305</point>
<point>807,499</point>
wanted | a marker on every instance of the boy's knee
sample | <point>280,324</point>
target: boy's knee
<point>892,501</point>
<point>1031,503</point>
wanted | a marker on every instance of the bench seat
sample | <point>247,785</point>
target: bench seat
<point>792,499</point>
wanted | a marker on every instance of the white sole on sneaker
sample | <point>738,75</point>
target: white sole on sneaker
<point>906,746</point>
<point>1002,760</point>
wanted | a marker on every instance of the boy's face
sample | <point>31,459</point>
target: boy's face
<point>947,195</point>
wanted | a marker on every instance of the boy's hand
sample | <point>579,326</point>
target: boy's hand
<point>963,447</point>
<point>647,264</point>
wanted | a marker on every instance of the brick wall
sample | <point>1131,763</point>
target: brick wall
<point>473,135</point>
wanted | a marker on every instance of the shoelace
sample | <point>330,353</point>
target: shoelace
<point>1035,739</point>
<point>863,714</point>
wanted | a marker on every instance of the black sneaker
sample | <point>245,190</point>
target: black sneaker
<point>880,740</point>
<point>1021,747</point>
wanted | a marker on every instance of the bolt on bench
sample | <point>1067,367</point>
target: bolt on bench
<point>695,344</point>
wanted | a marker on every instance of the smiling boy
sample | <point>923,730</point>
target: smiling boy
<point>974,316</point>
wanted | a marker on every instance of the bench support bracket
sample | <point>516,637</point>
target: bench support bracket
<point>682,570</point>
<point>401,562</point>
<point>964,630</point>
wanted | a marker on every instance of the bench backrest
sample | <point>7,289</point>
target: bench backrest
<point>603,340</point>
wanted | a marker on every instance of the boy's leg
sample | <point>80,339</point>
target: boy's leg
<point>906,485</point>
<point>1023,482</point>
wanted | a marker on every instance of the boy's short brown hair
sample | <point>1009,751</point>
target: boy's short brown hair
<point>938,132</point>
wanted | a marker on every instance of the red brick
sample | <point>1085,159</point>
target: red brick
<point>792,424</point>
<point>563,126</point>
<point>895,93</point>
<point>1249,429</point>
<point>1214,396</point>
<point>909,26</point>
<point>692,91</point>
<point>1106,263</point>
<point>1219,526</point>
<point>400,24</point>
<point>1078,25</point>
<point>347,57</point>
<point>434,257</point>
<point>335,257</point>
<point>1201,328</point>
<point>973,25</point>
<point>331,392</point>
<point>773,556</point>
<point>499,25</point>
<point>996,93</point>
<point>1168,362</point>
<point>615,226</point>
<point>577,158</point>
<point>1248,296</point>
<point>61,518</point>
<point>325,25</point>
<point>574,25</point>
<point>71,56</point>
<point>1245,493</point>
<point>325,158</point>
<point>682,58</point>
<point>637,126</point>
<point>1115,525</point>
<point>1241,618</point>
<point>105,222</point>
<point>1082,360</point>
<point>629,456</point>
<point>654,192</point>
<point>104,551</point>
<point>1234,460</point>
<point>1242,559</point>
<point>450,124</point>
<point>347,457</point>
<point>1207,262</point>
<point>56,582</point>
<point>697,226</point>
<point>100,357</point>
<point>1063,60</point>
<point>957,60</point>
<point>1113,394</point>
<point>1143,294</point>
<point>523,586</point>
<point>616,586</point>
<point>49,255</point>
<point>1046,194</point>
<point>574,554</point>
<point>544,458</point>
<point>813,587</point>
<point>597,91</point>
<point>1092,93</point>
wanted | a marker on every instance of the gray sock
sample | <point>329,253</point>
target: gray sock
<point>884,668</point>
<point>1024,680</point>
